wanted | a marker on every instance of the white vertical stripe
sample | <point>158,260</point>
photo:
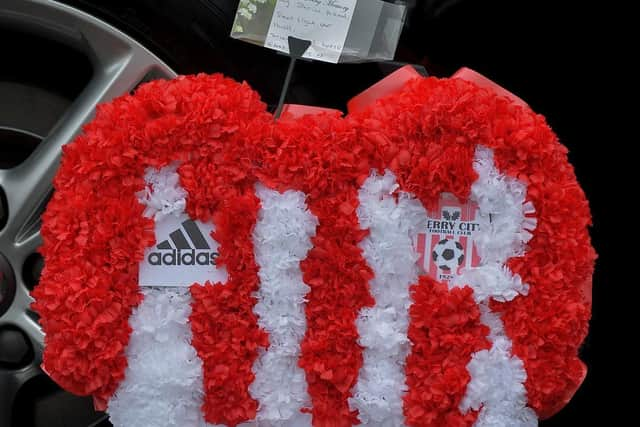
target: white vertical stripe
<point>389,251</point>
<point>497,376</point>
<point>163,383</point>
<point>282,238</point>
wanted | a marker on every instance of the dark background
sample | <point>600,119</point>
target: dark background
<point>553,55</point>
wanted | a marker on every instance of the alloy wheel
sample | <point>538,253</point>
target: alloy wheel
<point>29,158</point>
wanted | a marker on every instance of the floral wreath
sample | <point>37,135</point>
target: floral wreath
<point>325,318</point>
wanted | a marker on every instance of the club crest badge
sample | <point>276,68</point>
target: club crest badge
<point>447,244</point>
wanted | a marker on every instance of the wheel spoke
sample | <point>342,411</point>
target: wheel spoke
<point>28,185</point>
<point>19,316</point>
<point>119,65</point>
<point>29,241</point>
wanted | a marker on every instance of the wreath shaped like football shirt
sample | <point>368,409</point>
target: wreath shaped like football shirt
<point>424,261</point>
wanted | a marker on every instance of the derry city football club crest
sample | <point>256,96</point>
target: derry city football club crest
<point>447,244</point>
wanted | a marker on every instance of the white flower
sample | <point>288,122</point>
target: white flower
<point>248,8</point>
<point>245,13</point>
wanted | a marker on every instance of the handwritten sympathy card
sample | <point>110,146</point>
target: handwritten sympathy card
<point>324,22</point>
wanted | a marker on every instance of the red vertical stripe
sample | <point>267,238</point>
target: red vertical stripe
<point>433,267</point>
<point>226,334</point>
<point>423,250</point>
<point>445,330</point>
<point>320,156</point>
<point>338,276</point>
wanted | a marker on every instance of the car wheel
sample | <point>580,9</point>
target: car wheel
<point>62,62</point>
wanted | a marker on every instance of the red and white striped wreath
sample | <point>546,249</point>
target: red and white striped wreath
<point>325,317</point>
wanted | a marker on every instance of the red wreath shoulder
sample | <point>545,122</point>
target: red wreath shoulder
<point>95,234</point>
<point>427,133</point>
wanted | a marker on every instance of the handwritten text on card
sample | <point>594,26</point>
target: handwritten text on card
<point>324,22</point>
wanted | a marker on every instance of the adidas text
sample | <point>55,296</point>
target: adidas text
<point>182,257</point>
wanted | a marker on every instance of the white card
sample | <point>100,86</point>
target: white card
<point>184,254</point>
<point>324,22</point>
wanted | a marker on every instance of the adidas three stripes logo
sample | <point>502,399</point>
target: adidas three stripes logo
<point>185,246</point>
<point>179,240</point>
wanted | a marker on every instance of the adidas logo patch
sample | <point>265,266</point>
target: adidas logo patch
<point>195,251</point>
<point>185,254</point>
